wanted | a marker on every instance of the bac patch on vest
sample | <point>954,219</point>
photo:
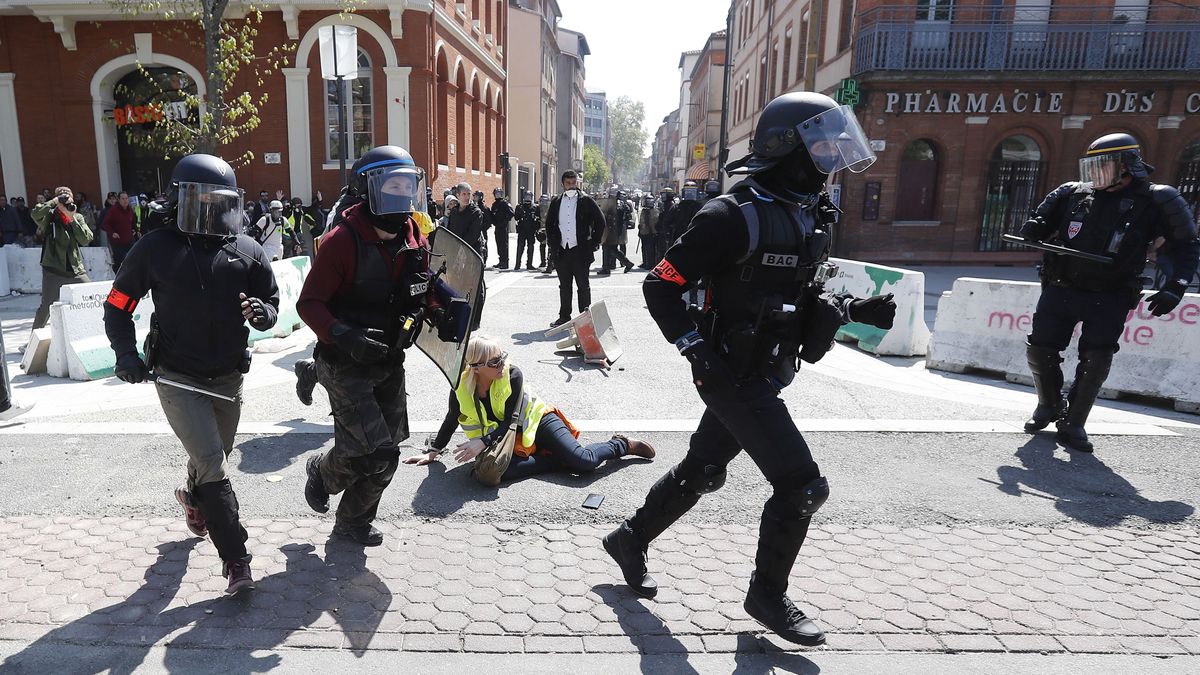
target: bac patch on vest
<point>1074,228</point>
<point>780,260</point>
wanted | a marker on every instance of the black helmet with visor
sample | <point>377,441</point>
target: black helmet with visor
<point>207,198</point>
<point>1111,157</point>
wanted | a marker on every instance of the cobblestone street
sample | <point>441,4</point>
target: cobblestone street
<point>509,588</point>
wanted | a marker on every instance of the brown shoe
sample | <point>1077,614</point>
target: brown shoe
<point>192,515</point>
<point>238,573</point>
<point>637,448</point>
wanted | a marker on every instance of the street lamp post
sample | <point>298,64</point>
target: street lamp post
<point>339,62</point>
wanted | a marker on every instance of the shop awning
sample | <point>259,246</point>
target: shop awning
<point>700,172</point>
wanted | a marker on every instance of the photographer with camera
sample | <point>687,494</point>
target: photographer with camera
<point>268,230</point>
<point>208,281</point>
<point>63,230</point>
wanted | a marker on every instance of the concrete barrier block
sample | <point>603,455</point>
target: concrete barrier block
<point>37,351</point>
<point>88,355</point>
<point>24,266</point>
<point>5,285</point>
<point>909,335</point>
<point>983,324</point>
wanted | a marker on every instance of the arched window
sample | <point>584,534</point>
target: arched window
<point>917,189</point>
<point>1013,190</point>
<point>1188,178</point>
<point>360,120</point>
<point>442,100</point>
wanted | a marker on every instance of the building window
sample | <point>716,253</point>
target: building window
<point>787,58</point>
<point>360,126</point>
<point>1188,178</point>
<point>916,190</point>
<point>1013,190</point>
<point>934,10</point>
<point>774,68</point>
<point>847,20</point>
<point>763,85</point>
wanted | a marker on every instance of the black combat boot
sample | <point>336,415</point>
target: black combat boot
<point>671,497</point>
<point>1093,369</point>
<point>306,380</point>
<point>314,487</point>
<point>364,535</point>
<point>1045,364</point>
<point>779,540</point>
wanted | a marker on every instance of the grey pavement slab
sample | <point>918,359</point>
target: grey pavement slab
<point>439,586</point>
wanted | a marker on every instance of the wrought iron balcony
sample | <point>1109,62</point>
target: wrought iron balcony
<point>892,38</point>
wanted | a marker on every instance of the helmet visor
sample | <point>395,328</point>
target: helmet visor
<point>1102,171</point>
<point>691,193</point>
<point>396,189</point>
<point>835,141</point>
<point>207,209</point>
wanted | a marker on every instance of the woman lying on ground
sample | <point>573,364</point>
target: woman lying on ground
<point>492,397</point>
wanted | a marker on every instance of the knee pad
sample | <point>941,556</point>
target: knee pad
<point>795,503</point>
<point>699,479</point>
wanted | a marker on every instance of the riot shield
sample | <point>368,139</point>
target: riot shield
<point>461,272</point>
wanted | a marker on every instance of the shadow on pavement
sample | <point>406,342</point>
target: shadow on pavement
<point>339,585</point>
<point>1083,487</point>
<point>750,659</point>
<point>446,490</point>
<point>644,629</point>
<point>533,337</point>
<point>267,454</point>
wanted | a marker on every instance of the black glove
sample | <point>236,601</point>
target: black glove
<point>364,346</point>
<point>254,311</point>
<point>709,372</point>
<point>130,368</point>
<point>1032,229</point>
<point>1166,299</point>
<point>877,310</point>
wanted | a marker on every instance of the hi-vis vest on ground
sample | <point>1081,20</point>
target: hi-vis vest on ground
<point>475,423</point>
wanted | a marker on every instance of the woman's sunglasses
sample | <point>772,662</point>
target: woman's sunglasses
<point>495,362</point>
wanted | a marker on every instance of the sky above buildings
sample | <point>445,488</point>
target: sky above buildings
<point>636,45</point>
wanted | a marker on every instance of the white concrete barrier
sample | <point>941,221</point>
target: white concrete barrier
<point>983,323</point>
<point>24,266</point>
<point>5,286</point>
<point>909,335</point>
<point>79,347</point>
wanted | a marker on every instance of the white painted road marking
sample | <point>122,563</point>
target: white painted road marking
<point>598,426</point>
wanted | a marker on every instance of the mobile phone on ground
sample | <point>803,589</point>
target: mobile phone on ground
<point>593,501</point>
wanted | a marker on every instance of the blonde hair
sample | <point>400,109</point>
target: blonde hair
<point>479,349</point>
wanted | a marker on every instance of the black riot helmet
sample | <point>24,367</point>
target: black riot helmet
<point>497,193</point>
<point>1111,157</point>
<point>527,199</point>
<point>206,196</point>
<point>808,132</point>
<point>690,191</point>
<point>712,188</point>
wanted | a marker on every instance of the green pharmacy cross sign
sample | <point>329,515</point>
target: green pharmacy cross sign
<point>847,92</point>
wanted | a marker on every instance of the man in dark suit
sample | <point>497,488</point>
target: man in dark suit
<point>574,225</point>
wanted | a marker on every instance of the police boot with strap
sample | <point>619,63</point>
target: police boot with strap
<point>1089,377</point>
<point>220,507</point>
<point>1045,364</point>
<point>784,526</point>
<point>671,497</point>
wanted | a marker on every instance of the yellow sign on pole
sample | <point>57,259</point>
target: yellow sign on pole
<point>698,151</point>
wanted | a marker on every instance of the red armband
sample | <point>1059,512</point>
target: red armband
<point>667,272</point>
<point>121,301</point>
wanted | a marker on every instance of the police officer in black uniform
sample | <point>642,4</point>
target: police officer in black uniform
<point>207,280</point>
<point>762,249</point>
<point>528,224</point>
<point>1113,211</point>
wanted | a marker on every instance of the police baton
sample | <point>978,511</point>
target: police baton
<point>187,387</point>
<point>1054,248</point>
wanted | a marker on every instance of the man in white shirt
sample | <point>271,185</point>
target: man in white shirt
<point>269,232</point>
<point>574,224</point>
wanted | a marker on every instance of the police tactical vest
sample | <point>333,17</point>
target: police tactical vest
<point>1115,225</point>
<point>779,262</point>
<point>375,299</point>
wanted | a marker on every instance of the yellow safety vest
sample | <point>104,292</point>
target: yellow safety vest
<point>424,222</point>
<point>476,423</point>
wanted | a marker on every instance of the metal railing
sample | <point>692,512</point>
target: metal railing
<point>991,39</point>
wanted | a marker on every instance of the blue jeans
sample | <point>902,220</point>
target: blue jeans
<point>559,451</point>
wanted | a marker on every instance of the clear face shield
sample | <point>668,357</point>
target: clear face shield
<point>835,141</point>
<point>1102,171</point>
<point>396,189</point>
<point>212,210</point>
<point>691,193</point>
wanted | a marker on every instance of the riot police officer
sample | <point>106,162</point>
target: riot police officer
<point>1115,212</point>
<point>502,214</point>
<point>647,232</point>
<point>762,249</point>
<point>370,278</point>
<point>528,224</point>
<point>681,216</point>
<point>208,280</point>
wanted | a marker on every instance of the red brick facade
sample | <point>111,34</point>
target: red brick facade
<point>55,104</point>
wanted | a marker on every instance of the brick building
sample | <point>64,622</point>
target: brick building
<point>976,108</point>
<point>431,78</point>
<point>706,92</point>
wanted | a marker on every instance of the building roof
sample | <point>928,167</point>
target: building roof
<point>579,48</point>
<point>684,55</point>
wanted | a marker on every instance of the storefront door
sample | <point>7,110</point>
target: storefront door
<point>146,103</point>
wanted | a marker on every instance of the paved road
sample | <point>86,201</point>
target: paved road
<point>952,543</point>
